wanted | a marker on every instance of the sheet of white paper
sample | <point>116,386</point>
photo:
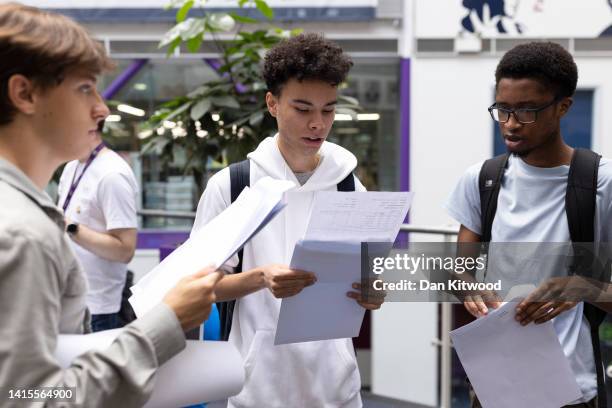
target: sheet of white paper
<point>357,217</point>
<point>319,312</point>
<point>335,264</point>
<point>214,244</point>
<point>332,250</point>
<point>204,371</point>
<point>338,262</point>
<point>513,366</point>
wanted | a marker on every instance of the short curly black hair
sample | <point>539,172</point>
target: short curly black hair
<point>307,56</point>
<point>546,62</point>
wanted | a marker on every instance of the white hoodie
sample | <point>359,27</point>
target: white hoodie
<point>311,375</point>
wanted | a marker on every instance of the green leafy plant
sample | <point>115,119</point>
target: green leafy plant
<point>226,118</point>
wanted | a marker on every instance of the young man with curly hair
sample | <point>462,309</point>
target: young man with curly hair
<point>302,75</point>
<point>535,83</point>
<point>49,112</point>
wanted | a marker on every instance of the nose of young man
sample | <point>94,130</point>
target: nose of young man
<point>99,113</point>
<point>512,136</point>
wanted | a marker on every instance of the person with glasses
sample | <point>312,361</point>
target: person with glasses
<point>534,86</point>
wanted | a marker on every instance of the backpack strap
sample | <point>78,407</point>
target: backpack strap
<point>580,205</point>
<point>489,184</point>
<point>348,184</point>
<point>240,177</point>
<point>581,195</point>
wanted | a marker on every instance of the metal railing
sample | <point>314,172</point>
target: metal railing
<point>446,323</point>
<point>168,214</point>
<point>446,315</point>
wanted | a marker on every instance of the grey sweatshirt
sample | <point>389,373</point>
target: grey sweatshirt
<point>42,294</point>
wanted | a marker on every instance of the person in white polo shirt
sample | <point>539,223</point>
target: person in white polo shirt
<point>98,194</point>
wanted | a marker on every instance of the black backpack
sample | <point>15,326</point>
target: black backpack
<point>580,202</point>
<point>240,177</point>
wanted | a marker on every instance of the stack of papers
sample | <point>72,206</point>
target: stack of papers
<point>511,366</point>
<point>339,223</point>
<point>204,371</point>
<point>214,243</point>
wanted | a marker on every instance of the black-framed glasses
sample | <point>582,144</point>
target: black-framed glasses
<point>522,115</point>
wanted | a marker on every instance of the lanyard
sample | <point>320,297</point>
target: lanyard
<point>74,184</point>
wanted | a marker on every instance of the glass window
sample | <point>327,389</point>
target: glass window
<point>372,136</point>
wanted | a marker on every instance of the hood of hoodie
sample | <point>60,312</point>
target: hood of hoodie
<point>335,164</point>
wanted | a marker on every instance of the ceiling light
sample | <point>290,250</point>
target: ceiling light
<point>343,117</point>
<point>131,110</point>
<point>368,116</point>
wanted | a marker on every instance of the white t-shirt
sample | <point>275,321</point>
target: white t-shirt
<point>531,208</point>
<point>105,199</point>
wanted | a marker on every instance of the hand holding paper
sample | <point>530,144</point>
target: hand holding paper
<point>285,282</point>
<point>339,223</point>
<point>192,298</point>
<point>215,243</point>
<point>514,366</point>
<point>374,300</point>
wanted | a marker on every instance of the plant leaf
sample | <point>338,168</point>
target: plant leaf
<point>200,108</point>
<point>181,14</point>
<point>170,36</point>
<point>264,9</point>
<point>225,101</point>
<point>256,118</point>
<point>221,21</point>
<point>201,90</point>
<point>191,27</point>
<point>193,44</point>
<point>243,19</point>
<point>172,46</point>
<point>178,111</point>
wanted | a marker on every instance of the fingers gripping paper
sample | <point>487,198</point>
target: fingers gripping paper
<point>204,371</point>
<point>331,249</point>
<point>514,366</point>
